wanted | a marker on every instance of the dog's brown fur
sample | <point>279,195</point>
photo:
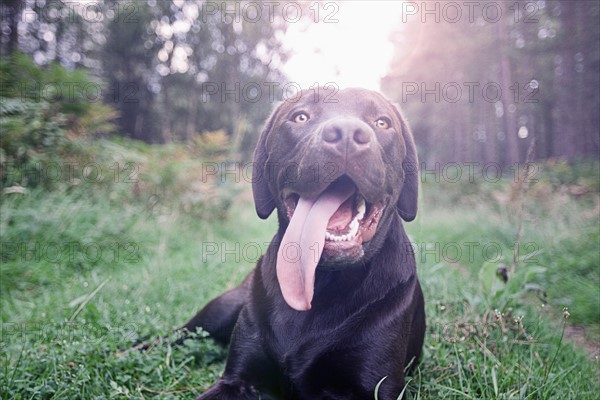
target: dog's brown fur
<point>367,318</point>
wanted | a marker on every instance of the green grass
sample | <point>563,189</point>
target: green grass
<point>64,322</point>
<point>50,350</point>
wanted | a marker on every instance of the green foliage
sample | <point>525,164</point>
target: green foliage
<point>88,221</point>
<point>578,178</point>
<point>33,137</point>
<point>213,144</point>
<point>501,295</point>
<point>558,254</point>
<point>68,91</point>
<point>153,374</point>
<point>63,324</point>
<point>45,118</point>
<point>48,236</point>
<point>490,339</point>
<point>473,351</point>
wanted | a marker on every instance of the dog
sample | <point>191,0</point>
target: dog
<point>334,307</point>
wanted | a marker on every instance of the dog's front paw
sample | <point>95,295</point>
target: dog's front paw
<point>223,390</point>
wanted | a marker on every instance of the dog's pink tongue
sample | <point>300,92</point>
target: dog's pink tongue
<point>302,245</point>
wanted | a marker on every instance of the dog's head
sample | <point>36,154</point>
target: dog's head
<point>337,165</point>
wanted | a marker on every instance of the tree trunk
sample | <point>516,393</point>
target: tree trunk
<point>510,108</point>
<point>564,135</point>
<point>190,129</point>
<point>166,116</point>
<point>14,15</point>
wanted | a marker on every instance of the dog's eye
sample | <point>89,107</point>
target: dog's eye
<point>382,123</point>
<point>301,118</point>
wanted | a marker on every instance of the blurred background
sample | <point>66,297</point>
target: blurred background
<point>476,81</point>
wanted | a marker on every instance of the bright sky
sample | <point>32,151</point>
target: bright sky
<point>355,51</point>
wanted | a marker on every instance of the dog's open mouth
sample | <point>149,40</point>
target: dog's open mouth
<point>329,229</point>
<point>354,222</point>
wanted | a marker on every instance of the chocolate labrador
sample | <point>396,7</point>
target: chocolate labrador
<point>334,306</point>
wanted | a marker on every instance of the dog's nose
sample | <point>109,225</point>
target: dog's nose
<point>346,136</point>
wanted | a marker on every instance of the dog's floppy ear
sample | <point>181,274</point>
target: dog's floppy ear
<point>263,199</point>
<point>407,203</point>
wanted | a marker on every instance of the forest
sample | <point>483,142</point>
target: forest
<point>478,82</point>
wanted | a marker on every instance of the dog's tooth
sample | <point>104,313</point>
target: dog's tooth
<point>361,204</point>
<point>362,208</point>
<point>354,225</point>
<point>355,222</point>
<point>353,229</point>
